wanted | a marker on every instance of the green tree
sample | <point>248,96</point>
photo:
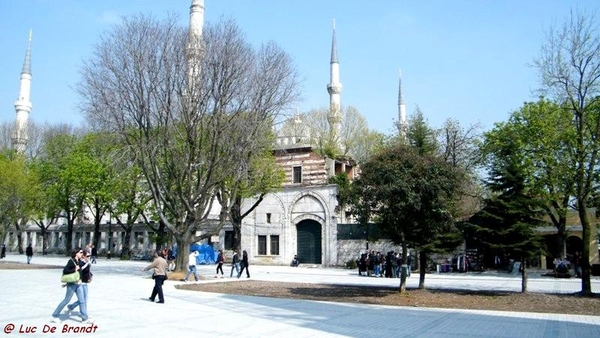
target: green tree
<point>569,67</point>
<point>95,154</point>
<point>18,186</point>
<point>420,135</point>
<point>454,148</point>
<point>130,200</point>
<point>410,195</point>
<point>542,134</point>
<point>508,220</point>
<point>45,209</point>
<point>65,177</point>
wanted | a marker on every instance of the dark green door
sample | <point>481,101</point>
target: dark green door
<point>309,242</point>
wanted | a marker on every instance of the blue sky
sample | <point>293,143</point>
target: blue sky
<point>467,60</point>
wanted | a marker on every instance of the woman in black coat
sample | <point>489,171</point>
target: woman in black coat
<point>244,264</point>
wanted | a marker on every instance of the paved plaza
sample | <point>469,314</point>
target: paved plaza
<point>118,303</point>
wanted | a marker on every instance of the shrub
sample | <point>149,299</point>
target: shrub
<point>351,264</point>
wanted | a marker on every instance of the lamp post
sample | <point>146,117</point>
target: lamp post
<point>109,236</point>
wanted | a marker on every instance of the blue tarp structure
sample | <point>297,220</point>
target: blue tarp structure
<point>207,255</point>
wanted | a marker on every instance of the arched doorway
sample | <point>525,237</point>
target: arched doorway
<point>574,244</point>
<point>554,249</point>
<point>309,242</point>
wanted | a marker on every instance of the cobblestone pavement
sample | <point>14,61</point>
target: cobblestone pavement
<point>118,303</point>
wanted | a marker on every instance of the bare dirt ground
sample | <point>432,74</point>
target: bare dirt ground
<point>23,266</point>
<point>457,299</point>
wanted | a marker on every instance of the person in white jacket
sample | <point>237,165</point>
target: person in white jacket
<point>192,266</point>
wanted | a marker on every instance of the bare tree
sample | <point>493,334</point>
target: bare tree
<point>354,125</point>
<point>318,129</point>
<point>460,147</point>
<point>569,67</point>
<point>355,139</point>
<point>186,133</point>
<point>40,134</point>
<point>6,130</point>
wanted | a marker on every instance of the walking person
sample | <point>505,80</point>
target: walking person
<point>171,257</point>
<point>88,250</point>
<point>72,288</point>
<point>577,264</point>
<point>244,265</point>
<point>86,278</point>
<point>29,253</point>
<point>3,252</point>
<point>220,261</point>
<point>192,266</point>
<point>235,264</point>
<point>94,254</point>
<point>159,264</point>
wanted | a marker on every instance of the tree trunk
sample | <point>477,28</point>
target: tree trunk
<point>236,222</point>
<point>562,234</point>
<point>523,275</point>
<point>422,269</point>
<point>44,239</point>
<point>183,249</point>
<point>69,237</point>
<point>161,235</point>
<point>403,270</point>
<point>126,241</point>
<point>586,286</point>
<point>19,239</point>
<point>97,232</point>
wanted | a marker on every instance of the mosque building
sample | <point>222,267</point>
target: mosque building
<point>303,218</point>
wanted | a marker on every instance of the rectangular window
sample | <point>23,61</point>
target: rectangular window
<point>229,240</point>
<point>139,240</point>
<point>268,217</point>
<point>262,245</point>
<point>274,245</point>
<point>297,175</point>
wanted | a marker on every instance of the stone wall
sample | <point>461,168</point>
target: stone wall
<point>350,249</point>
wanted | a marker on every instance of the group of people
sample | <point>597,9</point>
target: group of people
<point>562,266</point>
<point>239,264</point>
<point>376,264</point>
<point>161,267</point>
<point>80,263</point>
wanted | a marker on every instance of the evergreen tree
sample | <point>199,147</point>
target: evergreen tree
<point>508,220</point>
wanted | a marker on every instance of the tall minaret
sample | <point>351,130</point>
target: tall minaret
<point>194,47</point>
<point>402,123</point>
<point>335,89</point>
<point>23,103</point>
<point>196,18</point>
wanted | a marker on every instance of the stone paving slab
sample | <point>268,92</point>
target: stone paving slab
<point>118,303</point>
